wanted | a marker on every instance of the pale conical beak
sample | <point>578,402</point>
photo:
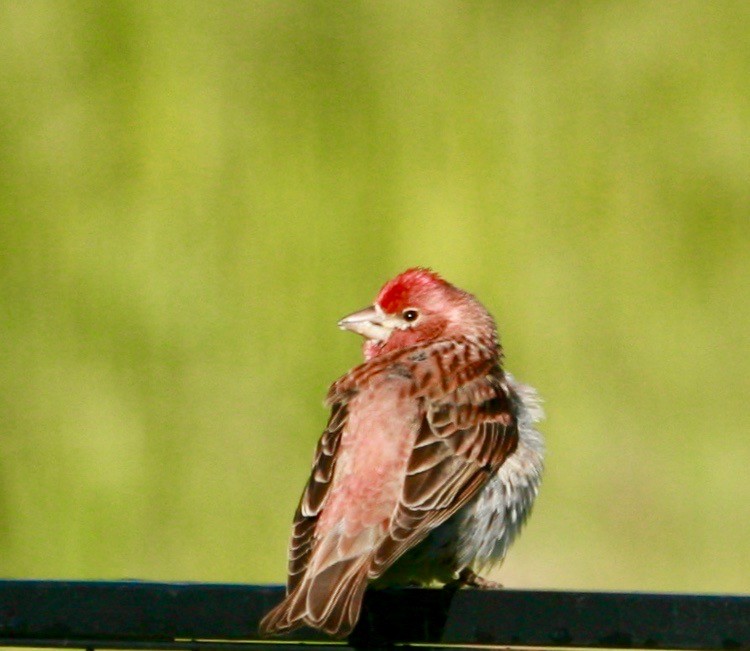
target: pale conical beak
<point>369,323</point>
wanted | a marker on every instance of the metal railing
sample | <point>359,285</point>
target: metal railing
<point>195,616</point>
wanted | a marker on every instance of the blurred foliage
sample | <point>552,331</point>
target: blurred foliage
<point>191,195</point>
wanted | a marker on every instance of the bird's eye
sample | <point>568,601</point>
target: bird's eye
<point>410,315</point>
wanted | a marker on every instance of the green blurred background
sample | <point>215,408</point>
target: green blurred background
<point>192,193</point>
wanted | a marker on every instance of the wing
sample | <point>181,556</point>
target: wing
<point>465,436</point>
<point>298,607</point>
<point>314,496</point>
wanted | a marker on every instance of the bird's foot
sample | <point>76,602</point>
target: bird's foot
<point>469,578</point>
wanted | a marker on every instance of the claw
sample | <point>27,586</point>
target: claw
<point>469,578</point>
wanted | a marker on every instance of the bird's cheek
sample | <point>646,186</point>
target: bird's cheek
<point>401,339</point>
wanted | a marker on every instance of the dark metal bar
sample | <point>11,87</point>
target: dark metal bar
<point>178,645</point>
<point>199,617</point>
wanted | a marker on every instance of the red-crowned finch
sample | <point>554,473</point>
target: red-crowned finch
<point>428,467</point>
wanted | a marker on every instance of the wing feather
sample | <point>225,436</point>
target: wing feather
<point>464,438</point>
<point>314,496</point>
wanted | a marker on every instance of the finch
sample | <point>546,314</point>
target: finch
<point>429,465</point>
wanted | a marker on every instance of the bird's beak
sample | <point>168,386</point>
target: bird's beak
<point>370,323</point>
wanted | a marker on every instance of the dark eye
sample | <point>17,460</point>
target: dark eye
<point>410,315</point>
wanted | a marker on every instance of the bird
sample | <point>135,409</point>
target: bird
<point>429,464</point>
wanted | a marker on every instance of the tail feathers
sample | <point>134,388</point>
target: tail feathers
<point>329,601</point>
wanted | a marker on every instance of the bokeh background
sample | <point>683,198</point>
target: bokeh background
<point>192,194</point>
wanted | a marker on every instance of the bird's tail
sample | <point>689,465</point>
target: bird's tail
<point>329,600</point>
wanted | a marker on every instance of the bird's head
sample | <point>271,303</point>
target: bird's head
<point>418,306</point>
